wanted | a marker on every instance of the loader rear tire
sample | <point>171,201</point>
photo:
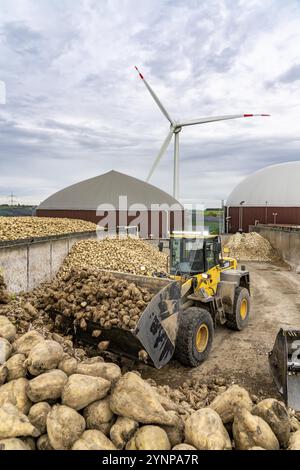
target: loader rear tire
<point>239,319</point>
<point>195,336</point>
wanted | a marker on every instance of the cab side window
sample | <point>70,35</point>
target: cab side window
<point>209,254</point>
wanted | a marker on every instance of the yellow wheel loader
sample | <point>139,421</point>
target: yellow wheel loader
<point>213,291</point>
<point>203,289</point>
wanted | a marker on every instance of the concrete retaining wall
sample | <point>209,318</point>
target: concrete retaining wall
<point>285,241</point>
<point>27,263</point>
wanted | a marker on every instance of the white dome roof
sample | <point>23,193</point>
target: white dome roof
<point>279,185</point>
<point>106,188</point>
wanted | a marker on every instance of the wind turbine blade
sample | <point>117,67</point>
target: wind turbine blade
<point>155,97</point>
<point>161,152</point>
<point>204,120</point>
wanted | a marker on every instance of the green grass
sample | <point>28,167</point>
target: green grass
<point>17,211</point>
<point>212,227</point>
<point>213,212</point>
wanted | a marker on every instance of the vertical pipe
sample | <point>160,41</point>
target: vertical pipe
<point>176,166</point>
<point>222,218</point>
<point>242,219</point>
<point>227,218</point>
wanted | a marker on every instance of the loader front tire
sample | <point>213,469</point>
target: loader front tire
<point>195,336</point>
<point>239,319</point>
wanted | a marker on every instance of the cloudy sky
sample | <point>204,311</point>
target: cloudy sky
<point>76,107</point>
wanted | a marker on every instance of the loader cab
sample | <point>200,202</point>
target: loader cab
<point>193,253</point>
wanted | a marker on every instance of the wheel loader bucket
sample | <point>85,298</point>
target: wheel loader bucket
<point>284,361</point>
<point>156,330</point>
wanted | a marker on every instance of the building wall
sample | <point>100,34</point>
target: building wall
<point>263,215</point>
<point>174,220</point>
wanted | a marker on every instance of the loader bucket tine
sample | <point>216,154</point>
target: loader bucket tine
<point>284,362</point>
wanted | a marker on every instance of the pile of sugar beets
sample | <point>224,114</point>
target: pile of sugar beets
<point>96,296</point>
<point>49,400</point>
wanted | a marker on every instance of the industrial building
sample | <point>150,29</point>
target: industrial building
<point>268,196</point>
<point>117,200</point>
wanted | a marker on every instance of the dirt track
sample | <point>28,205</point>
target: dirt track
<point>243,356</point>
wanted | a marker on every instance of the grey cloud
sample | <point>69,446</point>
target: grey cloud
<point>21,38</point>
<point>291,75</point>
<point>223,61</point>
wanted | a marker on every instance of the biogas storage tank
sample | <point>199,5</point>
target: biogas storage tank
<point>268,196</point>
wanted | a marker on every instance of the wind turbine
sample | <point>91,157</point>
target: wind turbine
<point>175,128</point>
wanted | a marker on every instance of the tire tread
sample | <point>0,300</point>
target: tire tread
<point>231,321</point>
<point>184,343</point>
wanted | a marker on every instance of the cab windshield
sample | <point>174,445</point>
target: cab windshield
<point>187,256</point>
